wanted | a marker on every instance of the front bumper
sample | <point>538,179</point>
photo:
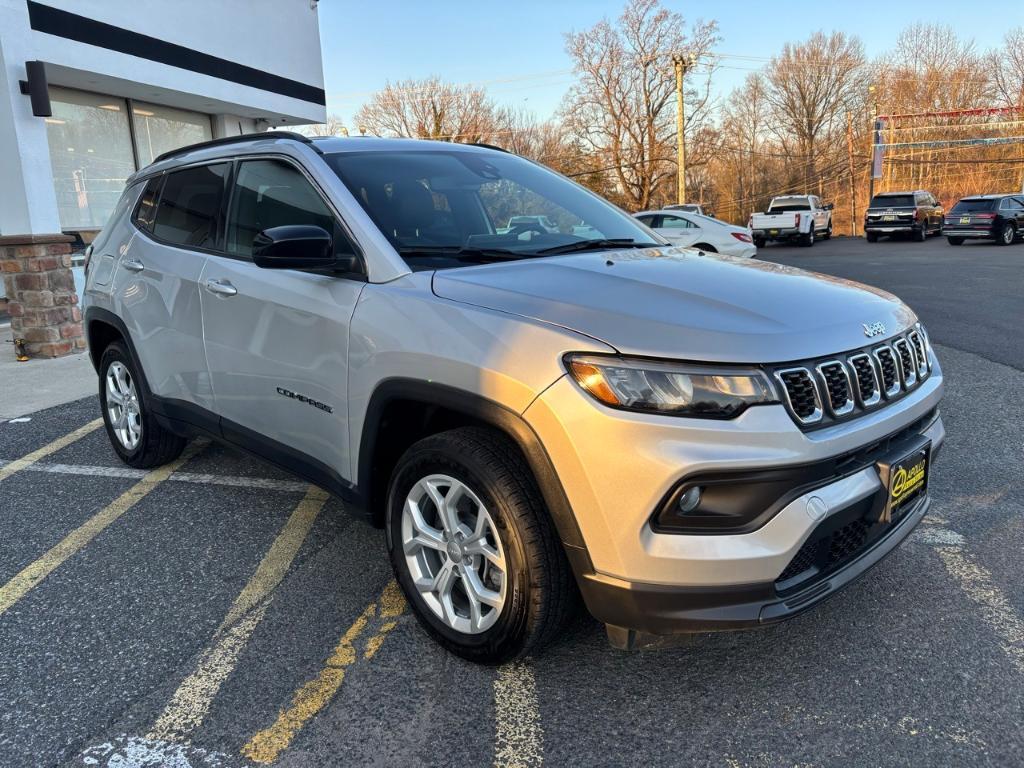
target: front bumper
<point>658,582</point>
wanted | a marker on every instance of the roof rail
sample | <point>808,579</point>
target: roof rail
<point>236,140</point>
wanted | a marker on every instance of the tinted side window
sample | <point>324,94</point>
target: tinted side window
<point>190,204</point>
<point>146,210</point>
<point>272,193</point>
<point>674,222</point>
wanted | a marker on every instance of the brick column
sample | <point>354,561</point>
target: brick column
<point>41,296</point>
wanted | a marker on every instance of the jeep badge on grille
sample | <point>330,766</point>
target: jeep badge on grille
<point>874,329</point>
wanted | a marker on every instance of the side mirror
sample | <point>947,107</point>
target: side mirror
<point>296,246</point>
<point>829,206</point>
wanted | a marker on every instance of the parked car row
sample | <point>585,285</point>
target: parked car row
<point>997,217</point>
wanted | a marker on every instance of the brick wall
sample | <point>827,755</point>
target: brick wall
<point>41,296</point>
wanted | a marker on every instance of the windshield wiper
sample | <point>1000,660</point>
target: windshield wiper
<point>595,245</point>
<point>464,252</point>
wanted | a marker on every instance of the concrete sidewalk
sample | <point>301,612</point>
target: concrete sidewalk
<point>37,384</point>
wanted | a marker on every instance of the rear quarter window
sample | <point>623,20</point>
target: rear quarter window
<point>145,211</point>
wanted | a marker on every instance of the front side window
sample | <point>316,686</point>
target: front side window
<point>441,207</point>
<point>272,193</point>
<point>190,205</point>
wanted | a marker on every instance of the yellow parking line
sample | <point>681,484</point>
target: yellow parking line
<point>18,464</point>
<point>519,738</point>
<point>35,572</point>
<point>190,704</point>
<point>308,700</point>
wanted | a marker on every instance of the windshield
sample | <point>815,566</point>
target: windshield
<point>966,206</point>
<point>787,204</point>
<point>446,207</point>
<point>892,201</point>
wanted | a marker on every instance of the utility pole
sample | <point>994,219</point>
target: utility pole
<point>871,145</point>
<point>683,64</point>
<point>853,182</point>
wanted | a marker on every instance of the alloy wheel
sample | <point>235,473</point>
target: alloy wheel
<point>454,554</point>
<point>1008,234</point>
<point>123,408</point>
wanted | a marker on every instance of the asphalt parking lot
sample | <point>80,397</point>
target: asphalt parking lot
<point>221,613</point>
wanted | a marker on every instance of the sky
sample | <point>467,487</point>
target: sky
<point>516,48</point>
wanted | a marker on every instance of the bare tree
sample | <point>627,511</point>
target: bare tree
<point>1008,71</point>
<point>810,86</point>
<point>429,109</point>
<point>334,126</point>
<point>622,107</point>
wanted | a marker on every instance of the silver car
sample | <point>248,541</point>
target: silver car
<point>685,441</point>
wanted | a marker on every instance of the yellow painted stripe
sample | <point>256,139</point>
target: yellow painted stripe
<point>41,453</point>
<point>191,703</point>
<point>519,738</point>
<point>35,572</point>
<point>313,696</point>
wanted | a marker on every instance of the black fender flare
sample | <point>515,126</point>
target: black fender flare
<point>496,415</point>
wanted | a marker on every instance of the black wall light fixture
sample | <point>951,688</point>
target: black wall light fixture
<point>37,89</point>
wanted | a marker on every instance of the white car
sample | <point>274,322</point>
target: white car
<point>703,232</point>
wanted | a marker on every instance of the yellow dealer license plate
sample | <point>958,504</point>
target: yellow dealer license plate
<point>965,219</point>
<point>907,480</point>
<point>888,218</point>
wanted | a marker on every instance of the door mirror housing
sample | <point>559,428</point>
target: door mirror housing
<point>829,206</point>
<point>294,246</point>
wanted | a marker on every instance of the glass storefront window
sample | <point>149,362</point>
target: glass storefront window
<point>159,129</point>
<point>91,155</point>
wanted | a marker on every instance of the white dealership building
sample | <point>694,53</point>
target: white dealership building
<point>127,80</point>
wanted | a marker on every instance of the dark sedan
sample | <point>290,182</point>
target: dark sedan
<point>986,217</point>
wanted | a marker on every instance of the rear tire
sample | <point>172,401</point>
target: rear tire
<point>871,237</point>
<point>706,248</point>
<point>760,242</point>
<point>1007,234</point>
<point>807,239</point>
<point>921,234</point>
<point>494,485</point>
<point>955,240</point>
<point>133,430</point>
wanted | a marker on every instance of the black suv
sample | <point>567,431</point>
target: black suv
<point>986,217</point>
<point>917,213</point>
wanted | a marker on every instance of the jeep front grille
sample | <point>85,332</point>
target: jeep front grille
<point>821,392</point>
<point>801,394</point>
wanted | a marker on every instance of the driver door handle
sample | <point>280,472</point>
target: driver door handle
<point>133,265</point>
<point>221,287</point>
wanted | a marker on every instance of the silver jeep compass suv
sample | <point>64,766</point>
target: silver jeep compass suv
<point>532,413</point>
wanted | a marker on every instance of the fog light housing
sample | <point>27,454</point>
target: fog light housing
<point>689,499</point>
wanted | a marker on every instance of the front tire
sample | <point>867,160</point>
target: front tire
<point>828,232</point>
<point>473,547</point>
<point>133,430</point>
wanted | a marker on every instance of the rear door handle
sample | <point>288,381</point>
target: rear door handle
<point>133,265</point>
<point>221,287</point>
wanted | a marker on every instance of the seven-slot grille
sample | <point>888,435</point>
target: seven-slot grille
<point>822,392</point>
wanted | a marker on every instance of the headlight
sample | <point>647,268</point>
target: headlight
<point>675,389</point>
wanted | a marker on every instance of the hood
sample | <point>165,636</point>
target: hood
<point>676,303</point>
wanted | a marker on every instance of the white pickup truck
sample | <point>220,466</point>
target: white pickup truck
<point>792,217</point>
